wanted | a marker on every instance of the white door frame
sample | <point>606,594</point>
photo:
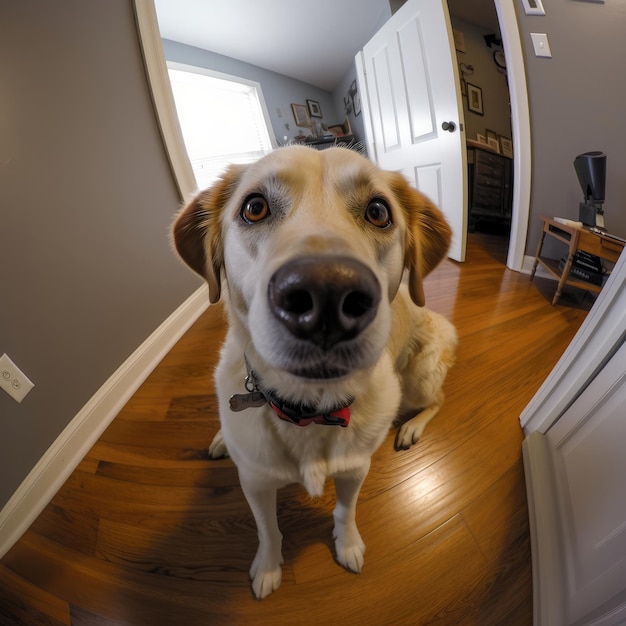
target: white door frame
<point>162,96</point>
<point>520,124</point>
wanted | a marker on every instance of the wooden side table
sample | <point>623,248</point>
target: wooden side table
<point>603,246</point>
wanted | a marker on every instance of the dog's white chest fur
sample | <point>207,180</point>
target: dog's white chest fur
<point>261,443</point>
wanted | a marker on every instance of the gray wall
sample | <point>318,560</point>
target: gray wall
<point>279,91</point>
<point>342,90</point>
<point>86,199</point>
<point>577,101</point>
<point>497,111</point>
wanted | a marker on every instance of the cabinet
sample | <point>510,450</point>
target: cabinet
<point>490,180</point>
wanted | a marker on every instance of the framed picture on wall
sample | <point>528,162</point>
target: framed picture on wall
<point>475,99</point>
<point>459,40</point>
<point>356,103</point>
<point>493,144</point>
<point>314,108</point>
<point>506,146</point>
<point>301,115</point>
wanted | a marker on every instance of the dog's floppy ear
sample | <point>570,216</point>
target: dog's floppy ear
<point>197,231</point>
<point>428,235</point>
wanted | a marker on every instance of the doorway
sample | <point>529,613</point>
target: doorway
<point>503,18</point>
<point>487,111</point>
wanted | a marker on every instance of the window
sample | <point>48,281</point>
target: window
<point>223,120</point>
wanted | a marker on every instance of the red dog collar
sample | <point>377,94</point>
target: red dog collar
<point>300,415</point>
<point>338,417</point>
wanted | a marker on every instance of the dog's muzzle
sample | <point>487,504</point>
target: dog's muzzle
<point>324,300</point>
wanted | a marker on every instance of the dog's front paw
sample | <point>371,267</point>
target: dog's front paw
<point>217,449</point>
<point>350,549</point>
<point>264,579</point>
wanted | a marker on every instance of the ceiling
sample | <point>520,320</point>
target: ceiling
<point>311,41</point>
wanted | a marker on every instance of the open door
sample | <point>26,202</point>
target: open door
<point>412,108</point>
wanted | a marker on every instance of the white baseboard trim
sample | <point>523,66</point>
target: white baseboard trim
<point>527,268</point>
<point>70,447</point>
<point>545,532</point>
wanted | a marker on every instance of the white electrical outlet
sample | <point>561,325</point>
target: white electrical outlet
<point>13,380</point>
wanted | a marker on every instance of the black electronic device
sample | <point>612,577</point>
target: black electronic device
<point>591,171</point>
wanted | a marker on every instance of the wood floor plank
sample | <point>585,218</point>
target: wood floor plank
<point>148,530</point>
<point>148,408</point>
<point>196,434</point>
<point>77,530</point>
<point>82,617</point>
<point>115,593</point>
<point>147,456</point>
<point>22,602</point>
<point>499,516</point>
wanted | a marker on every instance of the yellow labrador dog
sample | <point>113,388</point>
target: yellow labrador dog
<point>326,347</point>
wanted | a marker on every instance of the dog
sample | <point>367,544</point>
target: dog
<point>328,339</point>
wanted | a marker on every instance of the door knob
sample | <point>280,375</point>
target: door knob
<point>449,126</point>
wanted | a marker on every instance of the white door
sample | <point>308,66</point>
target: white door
<point>587,448</point>
<point>413,115</point>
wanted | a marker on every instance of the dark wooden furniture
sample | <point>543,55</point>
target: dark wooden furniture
<point>345,141</point>
<point>341,135</point>
<point>490,182</point>
<point>603,246</point>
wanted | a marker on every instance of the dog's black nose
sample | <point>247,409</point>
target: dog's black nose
<point>324,299</point>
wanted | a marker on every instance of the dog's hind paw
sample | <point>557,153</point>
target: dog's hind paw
<point>408,434</point>
<point>217,449</point>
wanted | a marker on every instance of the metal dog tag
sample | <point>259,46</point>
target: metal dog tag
<point>242,401</point>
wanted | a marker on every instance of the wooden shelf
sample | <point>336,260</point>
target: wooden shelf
<point>574,238</point>
<point>552,266</point>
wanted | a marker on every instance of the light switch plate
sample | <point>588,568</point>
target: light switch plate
<point>541,44</point>
<point>533,7</point>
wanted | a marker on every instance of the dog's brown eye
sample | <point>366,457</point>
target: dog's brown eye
<point>255,209</point>
<point>377,213</point>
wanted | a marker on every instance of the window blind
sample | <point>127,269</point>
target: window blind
<point>221,120</point>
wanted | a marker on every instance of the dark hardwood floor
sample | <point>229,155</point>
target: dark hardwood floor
<point>148,531</point>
